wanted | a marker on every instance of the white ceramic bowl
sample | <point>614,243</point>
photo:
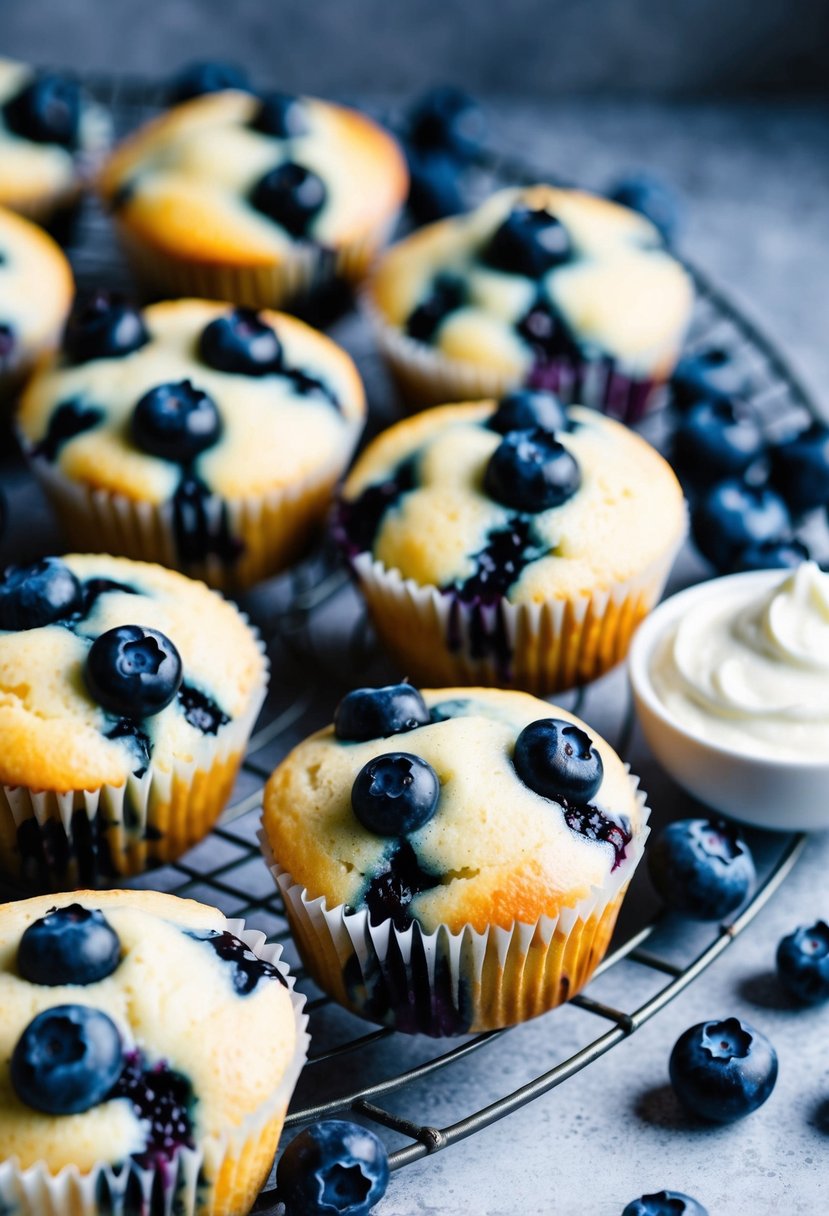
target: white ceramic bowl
<point>768,792</point>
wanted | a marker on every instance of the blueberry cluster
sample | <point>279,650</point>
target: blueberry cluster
<point>290,194</point>
<point>443,133</point>
<point>46,110</point>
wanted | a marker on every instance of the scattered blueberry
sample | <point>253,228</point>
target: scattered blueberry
<point>332,1167</point>
<point>103,326</point>
<point>800,469</point>
<point>395,793</point>
<point>37,595</point>
<point>201,711</point>
<point>526,409</point>
<point>723,1070</point>
<point>705,375</point>
<point>291,196</point>
<point>241,342</point>
<point>67,1060</point>
<point>435,189</point>
<point>499,564</point>
<point>358,521</point>
<point>557,759</point>
<point>163,1101</point>
<point>531,471</point>
<point>447,293</point>
<point>176,422</point>
<point>447,119</point>
<point>701,868</point>
<point>654,199</point>
<point>70,945</point>
<point>282,115</point>
<point>716,439</point>
<point>733,516</point>
<point>528,243</point>
<point>377,713</point>
<point>665,1203</point>
<point>803,963</point>
<point>593,824</point>
<point>132,671</point>
<point>772,555</point>
<point>210,76</point>
<point>47,110</point>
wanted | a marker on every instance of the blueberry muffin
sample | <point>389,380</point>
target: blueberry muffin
<point>464,876</point>
<point>260,200</point>
<point>36,290</point>
<point>516,544</point>
<point>543,287</point>
<point>51,137</point>
<point>205,437</point>
<point>148,1047</point>
<point>127,695</point>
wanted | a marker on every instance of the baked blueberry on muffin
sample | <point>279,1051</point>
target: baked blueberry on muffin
<point>127,694</point>
<point>544,287</point>
<point>517,543</point>
<point>199,435</point>
<point>452,860</point>
<point>148,1049</point>
<point>260,200</point>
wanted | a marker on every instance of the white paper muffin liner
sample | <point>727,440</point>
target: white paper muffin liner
<point>219,1178</point>
<point>445,982</point>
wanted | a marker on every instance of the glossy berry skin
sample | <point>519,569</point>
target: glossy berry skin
<point>435,188</point>
<point>526,409</point>
<point>654,199</point>
<point>732,516</point>
<point>800,469</point>
<point>133,672</point>
<point>176,422</point>
<point>446,119</point>
<point>395,793</point>
<point>210,76</point>
<point>47,111</point>
<point>282,115</point>
<point>707,375</point>
<point>240,343</point>
<point>71,945</point>
<point>723,1070</point>
<point>772,555</point>
<point>105,326</point>
<point>714,440</point>
<point>528,243</point>
<point>445,295</point>
<point>531,471</point>
<point>333,1168</point>
<point>37,595</point>
<point>701,868</point>
<point>67,1060</point>
<point>291,196</point>
<point>665,1203</point>
<point>377,713</point>
<point>557,759</point>
<point>803,963</point>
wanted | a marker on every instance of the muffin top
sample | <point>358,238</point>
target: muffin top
<point>232,178</point>
<point>36,289</point>
<point>491,807</point>
<point>182,1032</point>
<point>525,499</point>
<point>107,665</point>
<point>49,131</point>
<point>537,274</point>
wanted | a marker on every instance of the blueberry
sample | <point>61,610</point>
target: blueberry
<point>332,1167</point>
<point>733,516</point>
<point>67,1060</point>
<point>665,1203</point>
<point>389,893</point>
<point>526,409</point>
<point>176,422</point>
<point>434,185</point>
<point>47,110</point>
<point>701,868</point>
<point>104,326</point>
<point>800,469</point>
<point>705,375</point>
<point>544,329</point>
<point>723,1070</point>
<point>593,824</point>
<point>528,243</point>
<point>654,199</point>
<point>716,439</point>
<point>291,196</point>
<point>803,963</point>
<point>445,295</point>
<point>772,555</point>
<point>377,713</point>
<point>557,760</point>
<point>209,76</point>
<point>395,793</point>
<point>281,115</point>
<point>37,595</point>
<point>132,671</point>
<point>71,945</point>
<point>531,471</point>
<point>240,342</point>
<point>163,1101</point>
<point>446,119</point>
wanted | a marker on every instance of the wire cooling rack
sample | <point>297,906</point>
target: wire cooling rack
<point>320,645</point>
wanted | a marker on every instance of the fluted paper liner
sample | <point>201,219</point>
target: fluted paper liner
<point>219,1178</point>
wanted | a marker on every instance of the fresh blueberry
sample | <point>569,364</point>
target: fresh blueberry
<point>526,409</point>
<point>8,342</point>
<point>291,196</point>
<point>445,119</point>
<point>528,243</point>
<point>210,76</point>
<point>531,471</point>
<point>67,1060</point>
<point>716,439</point>
<point>800,469</point>
<point>331,1168</point>
<point>723,1070</point>
<point>557,759</point>
<point>71,945</point>
<point>435,189</point>
<point>665,1203</point>
<point>395,793</point>
<point>104,326</point>
<point>241,342</point>
<point>47,110</point>
<point>176,422</point>
<point>446,294</point>
<point>701,868</point>
<point>377,713</point>
<point>654,199</point>
<point>803,963</point>
<point>772,555</point>
<point>733,516</point>
<point>707,375</point>
<point>37,595</point>
<point>133,672</point>
<point>281,115</point>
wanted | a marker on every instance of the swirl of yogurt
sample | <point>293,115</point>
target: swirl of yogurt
<point>751,671</point>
